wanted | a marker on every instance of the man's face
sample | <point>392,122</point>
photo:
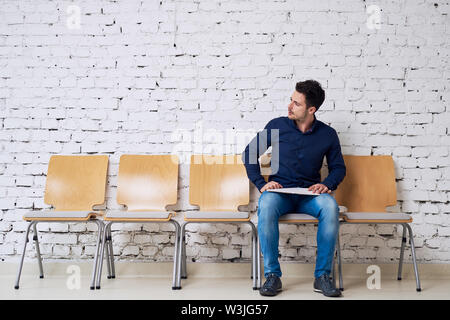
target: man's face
<point>297,109</point>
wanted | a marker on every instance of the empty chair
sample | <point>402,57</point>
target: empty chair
<point>218,185</point>
<point>366,191</point>
<point>74,185</point>
<point>146,185</point>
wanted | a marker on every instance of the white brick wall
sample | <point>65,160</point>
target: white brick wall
<point>137,72</point>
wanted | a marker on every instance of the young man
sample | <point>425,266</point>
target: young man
<point>301,142</point>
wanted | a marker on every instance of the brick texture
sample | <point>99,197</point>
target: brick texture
<point>145,77</point>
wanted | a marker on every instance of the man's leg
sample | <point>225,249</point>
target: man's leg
<point>271,206</point>
<point>325,209</point>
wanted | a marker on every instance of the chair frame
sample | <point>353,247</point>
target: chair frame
<point>405,227</point>
<point>107,236</point>
<point>380,206</point>
<point>33,224</point>
<point>107,242</point>
<point>255,262</point>
<point>48,198</point>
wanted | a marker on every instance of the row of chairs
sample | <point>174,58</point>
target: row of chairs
<point>218,186</point>
<point>146,185</point>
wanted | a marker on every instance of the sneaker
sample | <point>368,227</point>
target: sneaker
<point>324,285</point>
<point>272,285</point>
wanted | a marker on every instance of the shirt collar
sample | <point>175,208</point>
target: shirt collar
<point>310,130</point>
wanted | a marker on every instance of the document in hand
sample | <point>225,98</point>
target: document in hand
<point>294,190</point>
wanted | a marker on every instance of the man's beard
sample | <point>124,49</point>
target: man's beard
<point>303,118</point>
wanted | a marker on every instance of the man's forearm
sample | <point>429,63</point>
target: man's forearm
<point>253,170</point>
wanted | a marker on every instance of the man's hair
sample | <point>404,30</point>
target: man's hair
<point>314,94</point>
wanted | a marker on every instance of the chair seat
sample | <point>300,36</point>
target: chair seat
<point>134,215</point>
<point>50,215</point>
<point>303,217</point>
<point>211,215</point>
<point>377,216</point>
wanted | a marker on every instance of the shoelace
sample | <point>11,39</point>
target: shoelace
<point>327,283</point>
<point>271,280</point>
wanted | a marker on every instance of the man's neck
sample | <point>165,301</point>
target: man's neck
<point>306,125</point>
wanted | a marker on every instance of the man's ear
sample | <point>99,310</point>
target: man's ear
<point>312,110</point>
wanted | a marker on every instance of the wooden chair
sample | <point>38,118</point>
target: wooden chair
<point>366,191</point>
<point>74,185</point>
<point>146,185</point>
<point>218,185</point>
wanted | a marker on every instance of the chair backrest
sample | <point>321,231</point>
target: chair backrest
<point>76,183</point>
<point>218,183</point>
<point>369,184</point>
<point>147,182</point>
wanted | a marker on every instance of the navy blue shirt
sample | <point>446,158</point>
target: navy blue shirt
<point>297,157</point>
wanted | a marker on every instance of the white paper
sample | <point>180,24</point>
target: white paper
<point>304,191</point>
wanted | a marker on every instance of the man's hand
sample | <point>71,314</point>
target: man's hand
<point>271,185</point>
<point>319,188</point>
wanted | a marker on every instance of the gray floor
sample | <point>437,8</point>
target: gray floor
<point>150,280</point>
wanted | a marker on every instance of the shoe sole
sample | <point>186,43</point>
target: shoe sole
<point>271,295</point>
<point>320,291</point>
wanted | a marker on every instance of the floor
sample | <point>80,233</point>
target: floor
<point>211,281</point>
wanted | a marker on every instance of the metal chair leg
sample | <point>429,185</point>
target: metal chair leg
<point>175,254</point>
<point>254,256</point>
<point>258,262</point>
<point>333,272</point>
<point>108,253</point>
<point>38,251</point>
<point>180,253</point>
<point>183,258</point>
<point>402,251</point>
<point>23,255</point>
<point>413,252</point>
<point>102,252</point>
<point>341,282</point>
<point>252,263</point>
<point>111,252</point>
<point>108,240</point>
<point>94,270</point>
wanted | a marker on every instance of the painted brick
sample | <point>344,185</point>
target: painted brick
<point>228,65</point>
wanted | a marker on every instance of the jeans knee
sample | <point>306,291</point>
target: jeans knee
<point>268,213</point>
<point>268,204</point>
<point>328,207</point>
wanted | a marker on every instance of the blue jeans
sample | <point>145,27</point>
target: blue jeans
<point>272,205</point>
